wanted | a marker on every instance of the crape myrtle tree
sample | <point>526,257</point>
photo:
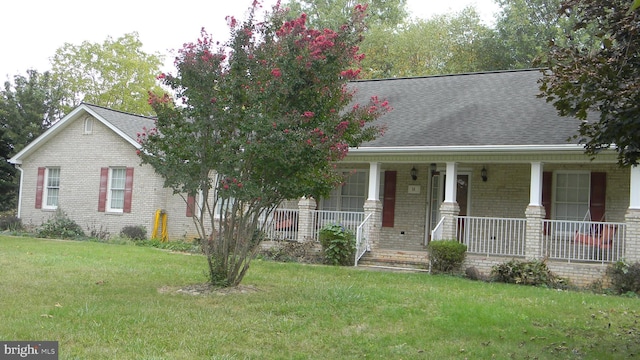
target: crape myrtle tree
<point>599,84</point>
<point>258,121</point>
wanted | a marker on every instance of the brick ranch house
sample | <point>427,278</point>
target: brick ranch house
<point>473,157</point>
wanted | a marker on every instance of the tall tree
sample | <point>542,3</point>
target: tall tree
<point>8,184</point>
<point>115,74</point>
<point>526,27</point>
<point>28,106</point>
<point>451,43</point>
<point>332,14</point>
<point>599,84</point>
<point>269,115</point>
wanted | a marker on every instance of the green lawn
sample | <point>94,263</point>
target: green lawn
<point>103,301</point>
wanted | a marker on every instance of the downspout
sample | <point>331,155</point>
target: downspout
<point>20,189</point>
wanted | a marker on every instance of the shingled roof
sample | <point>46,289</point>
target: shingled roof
<point>129,124</point>
<point>476,109</point>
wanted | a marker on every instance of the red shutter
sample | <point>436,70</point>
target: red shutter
<point>191,205</point>
<point>597,200</point>
<point>128,190</point>
<point>39,187</point>
<point>102,197</point>
<point>389,201</point>
<point>547,192</point>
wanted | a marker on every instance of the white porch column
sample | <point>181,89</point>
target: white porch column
<point>535,191</point>
<point>632,218</point>
<point>451,185</point>
<point>374,181</point>
<point>534,213</point>
<point>449,209</point>
<point>373,206</point>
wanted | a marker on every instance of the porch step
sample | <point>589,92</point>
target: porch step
<point>414,260</point>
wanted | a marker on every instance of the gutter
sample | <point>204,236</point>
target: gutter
<point>20,190</point>
<point>466,149</point>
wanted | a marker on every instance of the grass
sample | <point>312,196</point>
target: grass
<point>102,301</point>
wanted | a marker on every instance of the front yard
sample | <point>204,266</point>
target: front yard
<point>103,301</point>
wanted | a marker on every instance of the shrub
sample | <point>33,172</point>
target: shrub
<point>535,273</point>
<point>10,222</point>
<point>446,256</point>
<point>625,277</point>
<point>290,251</point>
<point>60,226</point>
<point>137,232</point>
<point>338,245</point>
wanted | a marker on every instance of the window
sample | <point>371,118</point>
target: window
<point>47,187</point>
<point>52,189</point>
<point>116,187</point>
<point>571,195</point>
<point>350,196</point>
<point>115,197</point>
<point>88,126</point>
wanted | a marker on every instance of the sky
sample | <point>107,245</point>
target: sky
<point>32,30</point>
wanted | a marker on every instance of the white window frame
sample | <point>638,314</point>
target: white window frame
<point>337,195</point>
<point>88,126</point>
<point>111,190</point>
<point>51,190</point>
<point>584,201</point>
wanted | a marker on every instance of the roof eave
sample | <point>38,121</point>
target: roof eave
<point>444,150</point>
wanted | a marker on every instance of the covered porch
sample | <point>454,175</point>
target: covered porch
<point>563,210</point>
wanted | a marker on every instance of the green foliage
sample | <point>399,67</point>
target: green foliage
<point>290,251</point>
<point>535,273</point>
<point>446,256</point>
<point>625,277</point>
<point>60,226</point>
<point>134,232</point>
<point>597,82</point>
<point>180,246</point>
<point>10,222</point>
<point>273,104</point>
<point>120,79</point>
<point>338,245</point>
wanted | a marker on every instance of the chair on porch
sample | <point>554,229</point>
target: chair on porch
<point>598,235</point>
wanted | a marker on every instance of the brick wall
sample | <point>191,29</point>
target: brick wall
<point>579,274</point>
<point>80,157</point>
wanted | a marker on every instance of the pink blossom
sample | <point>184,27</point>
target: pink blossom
<point>308,114</point>
<point>276,72</point>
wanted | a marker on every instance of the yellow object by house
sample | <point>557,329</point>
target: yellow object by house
<point>161,221</point>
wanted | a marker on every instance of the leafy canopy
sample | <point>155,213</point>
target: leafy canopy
<point>599,84</point>
<point>270,114</point>
<point>115,74</point>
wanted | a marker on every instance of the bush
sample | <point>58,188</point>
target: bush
<point>61,227</point>
<point>446,256</point>
<point>338,245</point>
<point>625,277</point>
<point>10,222</point>
<point>535,273</point>
<point>137,232</point>
<point>290,251</point>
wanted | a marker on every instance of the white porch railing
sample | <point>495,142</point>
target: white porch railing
<point>436,233</point>
<point>362,239</point>
<point>588,241</point>
<point>282,224</point>
<point>349,220</point>
<point>492,236</point>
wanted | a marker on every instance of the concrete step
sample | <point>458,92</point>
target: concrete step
<point>416,260</point>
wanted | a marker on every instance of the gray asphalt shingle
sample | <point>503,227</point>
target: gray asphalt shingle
<point>494,108</point>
